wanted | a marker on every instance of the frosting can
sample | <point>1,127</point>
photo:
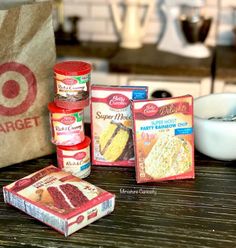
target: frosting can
<point>71,84</point>
<point>75,159</point>
<point>67,126</point>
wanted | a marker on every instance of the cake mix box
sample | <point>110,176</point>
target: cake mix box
<point>163,138</point>
<point>59,199</point>
<point>111,124</point>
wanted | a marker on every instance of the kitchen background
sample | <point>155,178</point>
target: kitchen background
<point>96,23</point>
<point>165,74</point>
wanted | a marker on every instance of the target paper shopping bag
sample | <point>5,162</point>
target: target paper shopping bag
<point>27,56</point>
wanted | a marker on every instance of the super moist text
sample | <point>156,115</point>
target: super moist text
<point>117,116</point>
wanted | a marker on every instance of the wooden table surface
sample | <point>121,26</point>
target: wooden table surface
<point>185,213</point>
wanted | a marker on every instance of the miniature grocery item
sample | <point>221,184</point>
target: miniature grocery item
<point>163,137</point>
<point>75,159</point>
<point>72,83</point>
<point>67,126</point>
<point>59,199</point>
<point>111,121</point>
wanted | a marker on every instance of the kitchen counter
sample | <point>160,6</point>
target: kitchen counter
<point>185,213</point>
<point>103,50</point>
<point>146,60</point>
<point>149,60</point>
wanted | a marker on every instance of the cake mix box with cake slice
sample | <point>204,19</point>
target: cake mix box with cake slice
<point>163,138</point>
<point>111,124</point>
<point>59,199</point>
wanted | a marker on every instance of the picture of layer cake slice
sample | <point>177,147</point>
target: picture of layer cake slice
<point>66,196</point>
<point>116,142</point>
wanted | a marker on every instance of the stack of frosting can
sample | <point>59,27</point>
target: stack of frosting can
<point>71,96</point>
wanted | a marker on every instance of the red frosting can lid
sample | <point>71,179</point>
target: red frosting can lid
<point>72,68</point>
<point>53,108</point>
<point>79,146</point>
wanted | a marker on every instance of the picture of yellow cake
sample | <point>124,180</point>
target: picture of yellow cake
<point>116,143</point>
<point>169,156</point>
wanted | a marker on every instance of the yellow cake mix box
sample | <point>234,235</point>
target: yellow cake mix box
<point>163,139</point>
<point>111,124</point>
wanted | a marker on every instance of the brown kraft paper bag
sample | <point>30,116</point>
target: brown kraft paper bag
<point>27,56</point>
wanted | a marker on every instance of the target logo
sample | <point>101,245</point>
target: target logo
<point>18,88</point>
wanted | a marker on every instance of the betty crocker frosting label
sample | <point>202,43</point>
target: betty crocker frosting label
<point>76,162</point>
<point>67,129</point>
<point>71,85</point>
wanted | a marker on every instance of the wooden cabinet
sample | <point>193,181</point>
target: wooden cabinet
<point>172,86</point>
<point>225,78</point>
<point>221,85</point>
<point>99,77</point>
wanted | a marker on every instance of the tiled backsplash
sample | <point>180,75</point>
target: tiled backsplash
<point>97,24</point>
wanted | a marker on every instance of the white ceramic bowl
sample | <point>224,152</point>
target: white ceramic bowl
<point>215,138</point>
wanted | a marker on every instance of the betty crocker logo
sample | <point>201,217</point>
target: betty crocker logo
<point>67,120</point>
<point>118,101</point>
<point>80,155</point>
<point>69,81</point>
<point>150,109</point>
<point>11,89</point>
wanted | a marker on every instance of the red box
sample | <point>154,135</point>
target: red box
<point>59,199</point>
<point>111,124</point>
<point>163,139</point>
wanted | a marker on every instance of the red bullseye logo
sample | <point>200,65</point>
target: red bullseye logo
<point>11,88</point>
